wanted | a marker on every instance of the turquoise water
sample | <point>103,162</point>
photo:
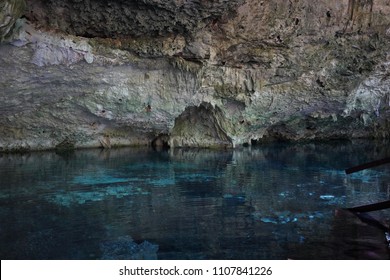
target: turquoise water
<point>275,201</point>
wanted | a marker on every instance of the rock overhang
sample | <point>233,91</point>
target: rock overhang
<point>128,18</point>
<point>272,68</point>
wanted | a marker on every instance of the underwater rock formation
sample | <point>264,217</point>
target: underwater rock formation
<point>124,248</point>
<point>129,71</point>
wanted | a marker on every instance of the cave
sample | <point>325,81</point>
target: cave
<point>200,126</point>
<point>193,130</point>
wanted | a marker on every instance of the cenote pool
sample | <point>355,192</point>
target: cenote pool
<point>275,201</point>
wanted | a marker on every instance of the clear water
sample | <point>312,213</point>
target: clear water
<point>275,201</point>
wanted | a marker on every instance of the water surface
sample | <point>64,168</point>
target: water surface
<point>274,201</point>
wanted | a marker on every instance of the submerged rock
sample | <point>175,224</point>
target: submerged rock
<point>285,217</point>
<point>124,248</point>
<point>327,197</point>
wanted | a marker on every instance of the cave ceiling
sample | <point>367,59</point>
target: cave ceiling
<point>123,18</point>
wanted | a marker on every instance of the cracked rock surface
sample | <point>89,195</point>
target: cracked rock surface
<point>203,73</point>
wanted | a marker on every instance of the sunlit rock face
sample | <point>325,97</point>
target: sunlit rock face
<point>114,72</point>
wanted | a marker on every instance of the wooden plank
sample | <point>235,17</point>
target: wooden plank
<point>367,165</point>
<point>371,207</point>
<point>366,218</point>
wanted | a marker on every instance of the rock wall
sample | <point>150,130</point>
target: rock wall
<point>10,12</point>
<point>96,73</point>
<point>200,126</point>
<point>120,18</point>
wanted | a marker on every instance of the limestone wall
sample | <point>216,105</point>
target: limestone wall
<point>88,72</point>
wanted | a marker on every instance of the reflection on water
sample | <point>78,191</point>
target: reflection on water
<point>271,202</point>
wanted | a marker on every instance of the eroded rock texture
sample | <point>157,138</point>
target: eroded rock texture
<point>115,72</point>
<point>200,126</point>
<point>10,12</point>
<point>120,18</point>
